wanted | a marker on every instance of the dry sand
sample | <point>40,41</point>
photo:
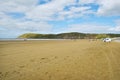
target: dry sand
<point>59,60</point>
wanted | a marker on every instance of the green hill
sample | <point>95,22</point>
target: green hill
<point>71,35</point>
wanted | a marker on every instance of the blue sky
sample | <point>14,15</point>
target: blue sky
<point>56,16</point>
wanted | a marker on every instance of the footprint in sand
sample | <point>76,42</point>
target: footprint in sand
<point>32,60</point>
<point>55,57</point>
<point>22,66</point>
<point>6,74</point>
<point>46,73</point>
<point>49,76</point>
<point>66,57</point>
<point>1,74</point>
<point>16,72</point>
<point>48,59</point>
<point>45,60</point>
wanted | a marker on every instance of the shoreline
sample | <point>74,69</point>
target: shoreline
<point>29,39</point>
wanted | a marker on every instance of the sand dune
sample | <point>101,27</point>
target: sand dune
<point>59,60</point>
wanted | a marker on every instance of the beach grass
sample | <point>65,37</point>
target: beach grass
<point>59,60</point>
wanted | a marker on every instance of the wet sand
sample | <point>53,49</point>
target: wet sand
<point>59,60</point>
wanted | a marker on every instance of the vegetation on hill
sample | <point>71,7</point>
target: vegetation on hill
<point>71,35</point>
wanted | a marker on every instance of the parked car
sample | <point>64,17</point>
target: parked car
<point>107,40</point>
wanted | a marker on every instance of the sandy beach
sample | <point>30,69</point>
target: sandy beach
<point>59,60</point>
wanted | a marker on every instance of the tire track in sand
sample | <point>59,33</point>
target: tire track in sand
<point>112,62</point>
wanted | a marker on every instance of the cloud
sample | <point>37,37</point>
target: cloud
<point>34,26</point>
<point>88,28</point>
<point>11,24</point>
<point>55,9</point>
<point>75,12</point>
<point>45,9</point>
<point>13,21</point>
<point>12,28</point>
<point>106,7</point>
<point>86,1</point>
<point>49,10</point>
<point>109,7</point>
<point>19,16</point>
<point>17,5</point>
<point>117,29</point>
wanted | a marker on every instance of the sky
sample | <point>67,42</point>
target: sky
<point>58,16</point>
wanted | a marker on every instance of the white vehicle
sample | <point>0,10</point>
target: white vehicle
<point>107,40</point>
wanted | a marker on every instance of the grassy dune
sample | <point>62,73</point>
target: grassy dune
<point>59,60</point>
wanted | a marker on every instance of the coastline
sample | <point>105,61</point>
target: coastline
<point>15,39</point>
